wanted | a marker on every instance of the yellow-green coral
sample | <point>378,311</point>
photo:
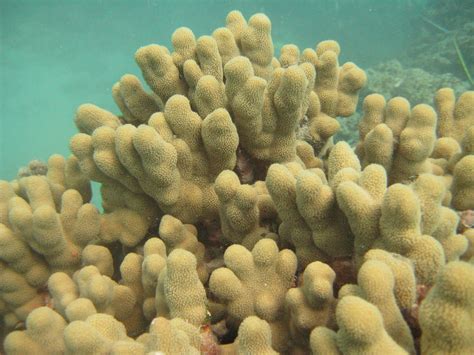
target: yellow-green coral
<point>455,117</point>
<point>99,333</point>
<point>43,334</point>
<point>173,159</point>
<point>217,143</point>
<point>447,313</point>
<point>267,114</point>
<point>43,228</point>
<point>106,295</point>
<point>376,285</point>
<point>266,103</point>
<point>361,202</point>
<point>404,287</point>
<point>177,235</point>
<point>313,303</point>
<point>397,137</point>
<point>183,291</point>
<point>241,208</point>
<point>255,283</point>
<point>361,331</point>
<point>401,233</point>
<point>254,337</point>
<point>463,180</point>
<point>306,203</point>
<point>174,336</point>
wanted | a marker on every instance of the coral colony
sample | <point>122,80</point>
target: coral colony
<point>232,223</point>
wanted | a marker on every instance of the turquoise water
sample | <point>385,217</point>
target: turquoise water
<point>56,55</point>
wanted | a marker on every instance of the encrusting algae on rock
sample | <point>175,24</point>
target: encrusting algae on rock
<point>232,224</point>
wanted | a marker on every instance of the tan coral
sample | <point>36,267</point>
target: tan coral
<point>463,182</point>
<point>401,233</point>
<point>361,202</point>
<point>323,341</point>
<point>154,260</point>
<point>216,102</point>
<point>160,72</point>
<point>180,289</point>
<point>267,114</point>
<point>335,93</point>
<point>59,236</point>
<point>255,283</point>
<point>404,288</point>
<point>306,203</point>
<point>99,333</point>
<point>437,220</point>
<point>177,235</point>
<point>136,105</point>
<point>42,231</point>
<point>240,210</point>
<point>447,313</point>
<point>376,284</point>
<point>173,159</point>
<point>281,184</point>
<point>100,257</point>
<point>399,139</point>
<point>43,334</point>
<point>254,40</point>
<point>174,336</point>
<point>254,337</point>
<point>469,254</point>
<point>17,296</point>
<point>312,304</point>
<point>361,330</point>
<point>106,295</point>
<point>455,117</point>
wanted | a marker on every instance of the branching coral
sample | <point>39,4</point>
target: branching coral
<point>223,231</point>
<point>255,283</point>
<point>446,315</point>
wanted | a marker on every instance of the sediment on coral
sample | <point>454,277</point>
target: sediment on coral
<point>232,223</point>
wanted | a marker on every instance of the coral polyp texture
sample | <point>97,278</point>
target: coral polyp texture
<point>230,221</point>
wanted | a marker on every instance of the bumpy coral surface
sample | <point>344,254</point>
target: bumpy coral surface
<point>231,223</point>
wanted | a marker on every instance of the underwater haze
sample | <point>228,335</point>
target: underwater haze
<point>56,55</point>
<point>277,184</point>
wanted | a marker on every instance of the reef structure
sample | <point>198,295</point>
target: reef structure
<point>231,223</point>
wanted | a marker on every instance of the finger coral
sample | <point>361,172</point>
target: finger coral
<point>446,315</point>
<point>231,223</point>
<point>255,283</point>
<point>361,330</point>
